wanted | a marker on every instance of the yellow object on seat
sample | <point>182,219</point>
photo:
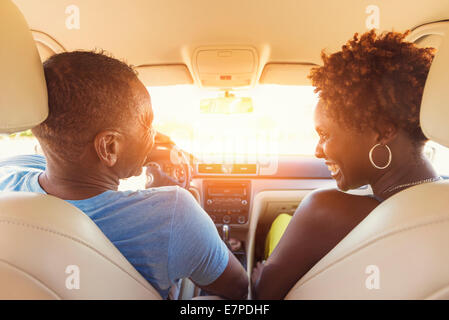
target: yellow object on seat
<point>276,231</point>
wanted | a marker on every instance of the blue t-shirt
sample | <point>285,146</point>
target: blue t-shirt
<point>163,232</point>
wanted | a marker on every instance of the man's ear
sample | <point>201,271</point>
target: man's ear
<point>106,145</point>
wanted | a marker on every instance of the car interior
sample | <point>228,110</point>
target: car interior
<point>233,105</point>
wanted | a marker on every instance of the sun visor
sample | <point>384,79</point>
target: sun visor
<point>23,98</point>
<point>164,75</point>
<point>434,114</point>
<point>294,74</point>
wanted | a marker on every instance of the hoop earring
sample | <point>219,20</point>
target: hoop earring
<point>371,157</point>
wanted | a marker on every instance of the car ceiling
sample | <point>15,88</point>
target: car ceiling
<point>168,31</point>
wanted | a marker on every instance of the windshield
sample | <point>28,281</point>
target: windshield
<point>281,122</point>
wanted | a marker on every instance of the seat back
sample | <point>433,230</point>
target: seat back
<point>48,248</point>
<point>400,250</point>
<point>51,250</point>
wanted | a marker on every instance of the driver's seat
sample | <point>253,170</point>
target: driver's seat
<point>48,248</point>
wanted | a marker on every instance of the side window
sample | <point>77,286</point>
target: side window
<point>439,156</point>
<point>20,143</point>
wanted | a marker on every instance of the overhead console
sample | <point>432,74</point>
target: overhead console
<point>227,202</point>
<point>225,66</point>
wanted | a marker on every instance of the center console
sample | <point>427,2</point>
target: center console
<point>227,202</point>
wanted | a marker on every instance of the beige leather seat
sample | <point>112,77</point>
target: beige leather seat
<point>48,248</point>
<point>401,250</point>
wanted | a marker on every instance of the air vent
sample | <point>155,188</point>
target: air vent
<point>210,168</point>
<point>244,169</point>
<point>232,169</point>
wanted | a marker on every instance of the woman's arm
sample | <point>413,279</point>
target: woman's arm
<point>322,220</point>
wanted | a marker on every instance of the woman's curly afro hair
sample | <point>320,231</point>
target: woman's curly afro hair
<point>375,78</point>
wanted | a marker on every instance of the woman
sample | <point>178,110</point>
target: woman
<point>367,119</point>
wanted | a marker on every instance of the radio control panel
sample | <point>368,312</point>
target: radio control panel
<point>227,201</point>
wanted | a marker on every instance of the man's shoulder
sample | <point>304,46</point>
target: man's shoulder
<point>16,172</point>
<point>171,195</point>
<point>149,198</point>
<point>32,161</point>
<point>165,192</point>
<point>169,199</point>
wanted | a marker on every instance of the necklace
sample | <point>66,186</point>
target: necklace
<point>411,184</point>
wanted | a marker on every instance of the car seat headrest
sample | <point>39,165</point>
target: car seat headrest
<point>434,114</point>
<point>23,98</point>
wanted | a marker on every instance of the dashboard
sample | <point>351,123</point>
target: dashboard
<point>227,191</point>
<point>227,202</point>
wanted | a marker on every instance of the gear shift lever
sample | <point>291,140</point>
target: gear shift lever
<point>225,235</point>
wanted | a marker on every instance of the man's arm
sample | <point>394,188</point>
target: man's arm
<point>233,282</point>
<point>196,251</point>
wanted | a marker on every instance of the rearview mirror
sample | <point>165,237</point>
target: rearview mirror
<point>229,104</point>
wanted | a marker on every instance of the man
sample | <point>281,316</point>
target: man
<point>99,131</point>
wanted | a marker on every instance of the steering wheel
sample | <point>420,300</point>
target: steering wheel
<point>167,164</point>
